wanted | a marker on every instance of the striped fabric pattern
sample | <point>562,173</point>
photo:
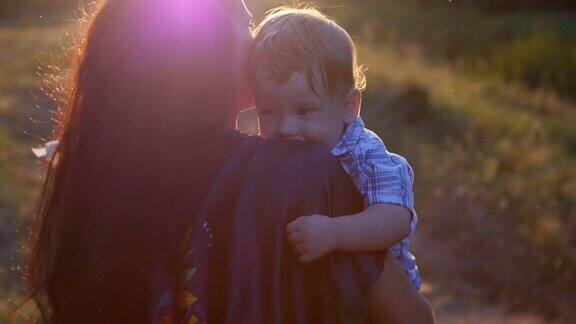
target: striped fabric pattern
<point>383,178</point>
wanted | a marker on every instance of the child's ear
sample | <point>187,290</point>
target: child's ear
<point>351,105</point>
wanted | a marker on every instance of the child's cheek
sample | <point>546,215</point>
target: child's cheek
<point>314,133</point>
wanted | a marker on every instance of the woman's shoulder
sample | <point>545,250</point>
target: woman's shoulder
<point>305,156</point>
<point>290,161</point>
<point>280,151</point>
<point>301,174</point>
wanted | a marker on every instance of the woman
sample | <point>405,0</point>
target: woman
<point>146,134</point>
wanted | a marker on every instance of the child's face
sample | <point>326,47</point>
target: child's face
<point>291,110</point>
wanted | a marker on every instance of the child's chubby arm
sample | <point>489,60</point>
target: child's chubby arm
<point>376,228</point>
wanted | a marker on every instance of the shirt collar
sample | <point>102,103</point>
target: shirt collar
<point>349,138</point>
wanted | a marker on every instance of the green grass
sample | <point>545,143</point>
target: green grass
<point>21,52</point>
<point>496,171</point>
<point>533,48</point>
<point>18,191</point>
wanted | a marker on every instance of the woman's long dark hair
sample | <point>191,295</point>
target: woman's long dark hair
<point>150,87</point>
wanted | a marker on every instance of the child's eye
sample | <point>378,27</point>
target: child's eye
<point>305,112</point>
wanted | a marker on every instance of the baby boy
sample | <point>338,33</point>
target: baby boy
<point>308,86</point>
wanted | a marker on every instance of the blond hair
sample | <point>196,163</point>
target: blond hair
<point>291,39</point>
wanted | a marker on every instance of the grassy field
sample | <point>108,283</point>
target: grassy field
<point>494,154</point>
<point>23,120</point>
<point>495,184</point>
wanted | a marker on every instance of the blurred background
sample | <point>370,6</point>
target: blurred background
<point>479,95</point>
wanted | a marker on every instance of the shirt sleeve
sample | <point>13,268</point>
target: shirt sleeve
<point>387,178</point>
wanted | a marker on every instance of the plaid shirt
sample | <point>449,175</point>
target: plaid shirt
<point>382,178</point>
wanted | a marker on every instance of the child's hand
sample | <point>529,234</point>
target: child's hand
<point>312,236</point>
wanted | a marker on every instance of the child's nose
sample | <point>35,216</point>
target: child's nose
<point>288,129</point>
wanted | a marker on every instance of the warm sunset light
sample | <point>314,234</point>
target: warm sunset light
<point>265,161</point>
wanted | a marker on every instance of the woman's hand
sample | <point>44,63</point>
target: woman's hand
<point>393,299</point>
